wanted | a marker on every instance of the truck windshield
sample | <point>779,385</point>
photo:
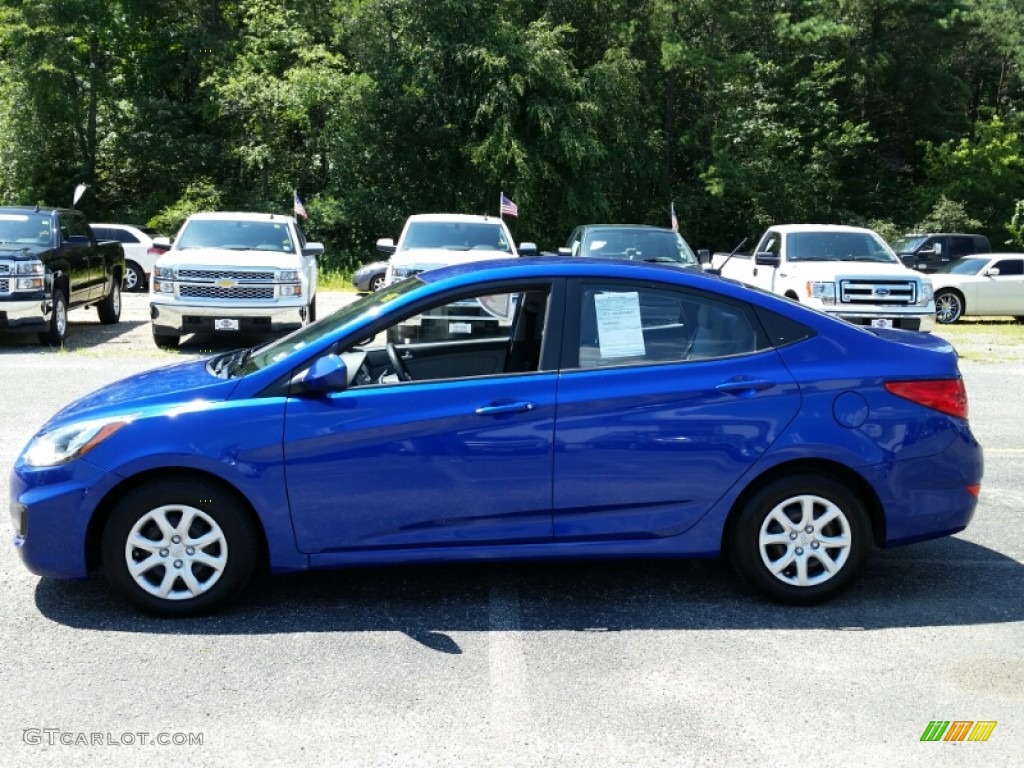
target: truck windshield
<point>237,235</point>
<point>25,229</point>
<point>455,236</point>
<point>838,246</point>
<point>639,245</point>
<point>908,244</point>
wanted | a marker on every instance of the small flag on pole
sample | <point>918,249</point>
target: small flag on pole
<point>508,207</point>
<point>675,219</point>
<point>299,208</point>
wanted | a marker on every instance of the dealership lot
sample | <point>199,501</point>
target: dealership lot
<point>626,663</point>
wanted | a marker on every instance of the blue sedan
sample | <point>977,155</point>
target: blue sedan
<point>598,409</point>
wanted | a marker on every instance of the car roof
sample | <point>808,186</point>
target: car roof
<point>788,228</point>
<point>239,216</point>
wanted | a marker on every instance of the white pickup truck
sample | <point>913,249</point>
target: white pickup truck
<point>433,240</point>
<point>849,272</point>
<point>250,272</point>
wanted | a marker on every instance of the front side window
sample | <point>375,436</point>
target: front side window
<point>628,326</point>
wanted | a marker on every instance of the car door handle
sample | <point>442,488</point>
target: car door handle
<point>498,409</point>
<point>743,387</point>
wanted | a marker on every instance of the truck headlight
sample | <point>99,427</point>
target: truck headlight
<point>66,443</point>
<point>824,292</point>
<point>927,295</point>
<point>163,286</point>
<point>29,284</point>
<point>29,268</point>
<point>163,273</point>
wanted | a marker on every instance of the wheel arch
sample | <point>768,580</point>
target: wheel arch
<point>98,522</point>
<point>856,483</point>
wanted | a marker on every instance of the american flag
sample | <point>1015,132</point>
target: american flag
<point>508,207</point>
<point>675,219</point>
<point>300,209</point>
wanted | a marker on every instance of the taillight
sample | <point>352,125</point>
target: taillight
<point>946,395</point>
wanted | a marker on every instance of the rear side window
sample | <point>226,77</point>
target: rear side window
<point>624,325</point>
<point>1010,266</point>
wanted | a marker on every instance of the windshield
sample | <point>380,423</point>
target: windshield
<point>25,229</point>
<point>456,236</point>
<point>237,235</point>
<point>962,267</point>
<point>838,246</point>
<point>365,307</point>
<point>639,245</point>
<point>908,244</point>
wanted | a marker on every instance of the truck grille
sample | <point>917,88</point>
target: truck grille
<point>238,293</point>
<point>889,292</point>
<point>5,286</point>
<point>223,274</point>
<point>5,269</point>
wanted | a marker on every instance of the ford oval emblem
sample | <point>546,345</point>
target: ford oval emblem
<point>881,292</point>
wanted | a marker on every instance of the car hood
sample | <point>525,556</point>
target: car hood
<point>18,251</point>
<point>444,256</point>
<point>180,384</point>
<point>827,270</point>
<point>942,280</point>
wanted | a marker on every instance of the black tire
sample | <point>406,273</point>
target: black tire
<point>166,341</point>
<point>58,330</point>
<point>172,578</point>
<point>807,514</point>
<point>311,311</point>
<point>134,278</point>
<point>949,307</point>
<point>109,309</point>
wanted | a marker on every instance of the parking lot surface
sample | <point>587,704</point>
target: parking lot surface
<point>632,663</point>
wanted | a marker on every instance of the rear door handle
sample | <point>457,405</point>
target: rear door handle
<point>498,409</point>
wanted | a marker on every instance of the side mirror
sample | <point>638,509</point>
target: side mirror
<point>328,374</point>
<point>565,251</point>
<point>993,272</point>
<point>313,249</point>
<point>704,256</point>
<point>386,245</point>
<point>766,259</point>
<point>527,249</point>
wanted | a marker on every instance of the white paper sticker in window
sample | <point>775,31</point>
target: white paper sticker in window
<point>619,331</point>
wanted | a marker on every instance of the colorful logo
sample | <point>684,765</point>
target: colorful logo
<point>958,730</point>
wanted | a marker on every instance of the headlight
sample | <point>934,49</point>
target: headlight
<point>163,273</point>
<point>29,284</point>
<point>66,443</point>
<point>29,268</point>
<point>927,294</point>
<point>288,276</point>
<point>824,292</point>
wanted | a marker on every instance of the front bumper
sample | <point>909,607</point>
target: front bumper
<point>26,314</point>
<point>179,319</point>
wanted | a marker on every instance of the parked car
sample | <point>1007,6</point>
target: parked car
<point>631,410</point>
<point>141,247</point>
<point>636,242</point>
<point>51,262</point>
<point>370,277</point>
<point>992,284</point>
<point>928,252</point>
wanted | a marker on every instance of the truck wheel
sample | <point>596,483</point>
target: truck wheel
<point>109,309</point>
<point>311,311</point>
<point>58,331</point>
<point>134,278</point>
<point>801,539</point>
<point>949,307</point>
<point>179,548</point>
<point>165,341</point>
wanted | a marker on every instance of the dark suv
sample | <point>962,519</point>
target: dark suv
<point>928,252</point>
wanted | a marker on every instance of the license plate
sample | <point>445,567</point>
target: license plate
<point>460,328</point>
<point>881,322</point>
<point>225,324</point>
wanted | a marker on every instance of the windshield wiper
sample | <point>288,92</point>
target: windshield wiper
<point>226,364</point>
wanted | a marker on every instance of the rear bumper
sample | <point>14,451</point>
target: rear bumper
<point>177,319</point>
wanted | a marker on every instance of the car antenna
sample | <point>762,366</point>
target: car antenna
<point>733,253</point>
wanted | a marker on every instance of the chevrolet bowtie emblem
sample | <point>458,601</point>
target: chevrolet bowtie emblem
<point>226,283</point>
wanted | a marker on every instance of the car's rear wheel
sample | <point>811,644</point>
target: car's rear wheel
<point>801,540</point>
<point>949,307</point>
<point>57,332</point>
<point>109,309</point>
<point>134,278</point>
<point>179,548</point>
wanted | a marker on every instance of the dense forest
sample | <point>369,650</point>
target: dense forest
<point>899,114</point>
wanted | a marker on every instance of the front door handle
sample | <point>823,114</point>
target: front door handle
<point>497,409</point>
<point>744,387</point>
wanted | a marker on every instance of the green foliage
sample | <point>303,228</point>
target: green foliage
<point>1015,227</point>
<point>948,216</point>
<point>200,195</point>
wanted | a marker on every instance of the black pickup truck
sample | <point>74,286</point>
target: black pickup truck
<point>50,262</point>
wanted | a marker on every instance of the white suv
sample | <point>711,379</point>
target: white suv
<point>251,272</point>
<point>140,250</point>
<point>432,240</point>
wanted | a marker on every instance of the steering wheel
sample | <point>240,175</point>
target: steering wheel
<point>397,364</point>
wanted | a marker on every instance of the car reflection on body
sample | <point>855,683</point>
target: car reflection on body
<point>628,409</point>
<point>990,284</point>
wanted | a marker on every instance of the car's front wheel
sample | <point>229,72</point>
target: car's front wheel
<point>800,540</point>
<point>949,307</point>
<point>58,328</point>
<point>179,548</point>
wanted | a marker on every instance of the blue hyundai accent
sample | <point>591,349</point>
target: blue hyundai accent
<point>546,408</point>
